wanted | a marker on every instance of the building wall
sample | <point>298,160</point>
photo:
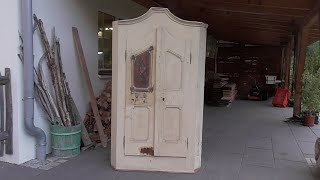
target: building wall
<point>63,15</point>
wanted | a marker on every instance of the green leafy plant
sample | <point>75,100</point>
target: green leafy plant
<point>311,81</point>
<point>311,94</point>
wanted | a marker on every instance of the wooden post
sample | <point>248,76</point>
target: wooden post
<point>301,59</point>
<point>288,64</point>
<point>93,101</point>
<point>216,58</point>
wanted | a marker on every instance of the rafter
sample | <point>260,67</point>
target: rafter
<point>288,4</point>
<point>249,8</point>
<point>252,21</point>
<point>312,17</point>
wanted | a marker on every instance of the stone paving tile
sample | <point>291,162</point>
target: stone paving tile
<point>287,148</point>
<point>143,176</point>
<point>224,166</point>
<point>256,173</point>
<point>15,172</point>
<point>259,143</point>
<point>288,170</point>
<point>202,174</point>
<point>237,144</point>
<point>317,132</point>
<point>307,148</point>
<point>304,134</point>
<point>259,157</point>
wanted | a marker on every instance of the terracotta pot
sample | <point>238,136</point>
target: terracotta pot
<point>309,121</point>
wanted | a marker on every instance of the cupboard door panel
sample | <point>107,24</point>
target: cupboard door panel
<point>171,125</point>
<point>140,124</point>
<point>170,114</point>
<point>139,111</point>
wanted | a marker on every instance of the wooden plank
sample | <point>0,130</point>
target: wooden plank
<point>84,133</point>
<point>9,111</point>
<point>283,61</point>
<point>302,52</point>
<point>286,4</point>
<point>85,73</point>
<point>270,18</point>
<point>246,8</point>
<point>147,3</point>
<point>288,63</point>
<point>254,37</point>
<point>281,4</point>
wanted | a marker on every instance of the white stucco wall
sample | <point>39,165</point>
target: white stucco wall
<point>63,15</point>
<point>10,18</point>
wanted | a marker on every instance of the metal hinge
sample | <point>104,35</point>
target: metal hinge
<point>190,58</point>
<point>125,55</point>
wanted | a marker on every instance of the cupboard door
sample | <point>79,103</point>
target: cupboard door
<point>170,113</point>
<point>139,117</point>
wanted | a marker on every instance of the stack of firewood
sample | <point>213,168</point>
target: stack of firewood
<point>104,106</point>
<point>229,92</point>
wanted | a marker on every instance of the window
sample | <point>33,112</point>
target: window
<point>105,43</point>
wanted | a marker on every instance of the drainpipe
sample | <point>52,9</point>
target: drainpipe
<point>28,77</point>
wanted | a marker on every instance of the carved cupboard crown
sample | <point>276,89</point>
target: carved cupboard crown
<point>157,92</point>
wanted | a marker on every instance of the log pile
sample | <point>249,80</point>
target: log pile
<point>104,106</point>
<point>229,92</point>
<point>214,91</point>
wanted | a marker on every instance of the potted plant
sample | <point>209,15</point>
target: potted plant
<point>310,98</point>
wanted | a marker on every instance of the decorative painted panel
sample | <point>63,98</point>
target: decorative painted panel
<point>142,71</point>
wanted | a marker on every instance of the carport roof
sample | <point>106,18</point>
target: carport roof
<point>265,22</point>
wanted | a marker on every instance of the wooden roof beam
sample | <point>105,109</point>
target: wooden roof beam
<point>257,20</point>
<point>272,18</point>
<point>148,3</point>
<point>312,17</point>
<point>290,4</point>
<point>249,8</point>
<point>250,25</point>
<point>252,38</point>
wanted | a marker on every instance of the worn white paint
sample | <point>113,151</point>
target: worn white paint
<point>168,119</point>
<point>63,15</point>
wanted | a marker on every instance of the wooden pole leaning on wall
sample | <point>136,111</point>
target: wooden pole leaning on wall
<point>283,63</point>
<point>302,53</point>
<point>85,72</point>
<point>288,63</point>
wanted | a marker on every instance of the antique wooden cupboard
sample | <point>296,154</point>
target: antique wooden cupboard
<point>157,93</point>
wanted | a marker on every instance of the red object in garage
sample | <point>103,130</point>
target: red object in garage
<point>281,98</point>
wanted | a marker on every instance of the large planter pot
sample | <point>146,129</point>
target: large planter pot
<point>309,121</point>
<point>65,141</point>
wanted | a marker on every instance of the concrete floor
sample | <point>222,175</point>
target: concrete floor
<point>247,141</point>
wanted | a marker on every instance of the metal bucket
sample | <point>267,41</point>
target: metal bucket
<point>65,141</point>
